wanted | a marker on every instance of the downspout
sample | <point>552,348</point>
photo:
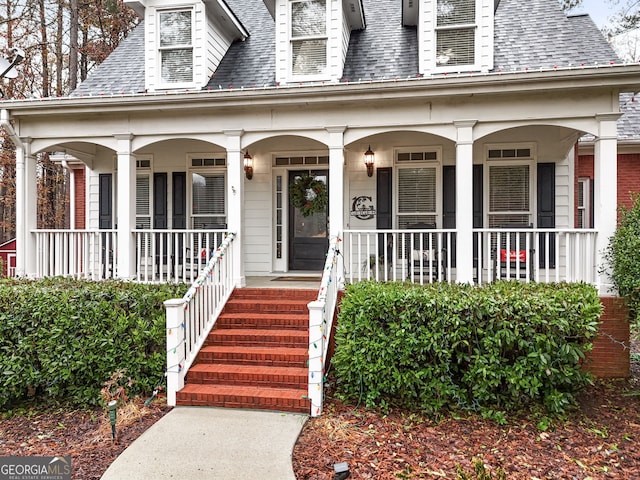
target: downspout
<point>21,238</point>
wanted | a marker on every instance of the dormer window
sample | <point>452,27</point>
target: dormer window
<point>308,38</point>
<point>456,33</point>
<point>176,46</point>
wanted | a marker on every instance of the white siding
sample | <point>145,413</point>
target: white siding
<point>258,222</point>
<point>209,47</point>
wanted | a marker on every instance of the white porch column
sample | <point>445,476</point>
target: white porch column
<point>336,180</point>
<point>464,200</point>
<point>336,190</point>
<point>126,208</point>
<point>26,209</point>
<point>605,172</point>
<point>235,201</point>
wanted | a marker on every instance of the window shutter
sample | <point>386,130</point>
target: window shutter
<point>546,195</point>
<point>160,200</point>
<point>179,200</point>
<point>105,201</point>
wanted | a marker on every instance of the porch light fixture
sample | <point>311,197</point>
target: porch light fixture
<point>248,165</point>
<point>369,160</point>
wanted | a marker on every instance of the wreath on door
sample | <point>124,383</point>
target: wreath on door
<point>308,195</point>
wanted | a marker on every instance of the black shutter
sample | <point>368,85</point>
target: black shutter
<point>384,204</point>
<point>105,201</point>
<point>449,206</point>
<point>478,186</point>
<point>160,200</point>
<point>546,198</point>
<point>179,201</point>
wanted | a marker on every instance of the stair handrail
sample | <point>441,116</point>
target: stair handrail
<point>321,312</point>
<point>191,318</point>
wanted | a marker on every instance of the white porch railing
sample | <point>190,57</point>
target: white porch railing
<point>191,318</point>
<point>88,254</point>
<point>160,255</point>
<point>321,313</point>
<point>422,256</point>
<point>539,255</point>
<point>429,255</point>
<point>174,255</point>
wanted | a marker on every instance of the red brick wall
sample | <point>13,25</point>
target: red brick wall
<point>628,177</point>
<point>610,358</point>
<point>81,198</point>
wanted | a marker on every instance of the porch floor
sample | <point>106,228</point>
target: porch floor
<point>298,279</point>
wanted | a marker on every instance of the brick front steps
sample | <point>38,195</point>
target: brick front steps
<point>256,355</point>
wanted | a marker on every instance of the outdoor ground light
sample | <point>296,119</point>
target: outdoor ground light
<point>369,161</point>
<point>248,165</point>
<point>113,413</point>
<point>341,471</point>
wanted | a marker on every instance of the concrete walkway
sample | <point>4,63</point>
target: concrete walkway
<point>212,443</point>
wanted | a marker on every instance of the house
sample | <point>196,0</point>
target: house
<point>8,258</point>
<point>443,135</point>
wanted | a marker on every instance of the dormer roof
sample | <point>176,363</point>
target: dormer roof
<point>538,36</point>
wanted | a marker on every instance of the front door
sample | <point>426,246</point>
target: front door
<point>308,235</point>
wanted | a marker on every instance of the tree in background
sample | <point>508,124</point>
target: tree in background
<point>63,41</point>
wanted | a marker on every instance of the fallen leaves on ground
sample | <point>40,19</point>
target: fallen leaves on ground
<point>601,440</point>
<point>85,434</point>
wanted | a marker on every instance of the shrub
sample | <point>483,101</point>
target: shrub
<point>490,349</point>
<point>623,256</point>
<point>63,339</point>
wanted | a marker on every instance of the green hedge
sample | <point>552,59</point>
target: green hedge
<point>63,339</point>
<point>490,349</point>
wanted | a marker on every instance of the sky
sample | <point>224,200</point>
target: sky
<point>599,10</point>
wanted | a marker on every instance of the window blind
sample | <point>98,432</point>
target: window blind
<point>143,201</point>
<point>455,37</point>
<point>456,12</point>
<point>208,200</point>
<point>176,46</point>
<point>509,195</point>
<point>308,37</point>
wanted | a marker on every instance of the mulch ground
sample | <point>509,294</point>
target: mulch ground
<point>601,440</point>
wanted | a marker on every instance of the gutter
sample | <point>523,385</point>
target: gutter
<point>5,121</point>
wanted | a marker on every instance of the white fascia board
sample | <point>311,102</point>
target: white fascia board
<point>221,8</point>
<point>610,78</point>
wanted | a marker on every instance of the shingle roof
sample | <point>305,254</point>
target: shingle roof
<point>538,36</point>
<point>541,36</point>
<point>122,71</point>
<point>629,123</point>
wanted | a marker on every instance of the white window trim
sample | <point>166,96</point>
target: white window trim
<point>477,41</point>
<point>437,164</point>
<point>175,85</point>
<point>307,78</point>
<point>531,161</point>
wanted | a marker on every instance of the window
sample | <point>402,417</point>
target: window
<point>584,203</point>
<point>176,46</point>
<point>143,201</point>
<point>309,37</point>
<point>455,33</point>
<point>509,195</point>
<point>417,196</point>
<point>208,208</point>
